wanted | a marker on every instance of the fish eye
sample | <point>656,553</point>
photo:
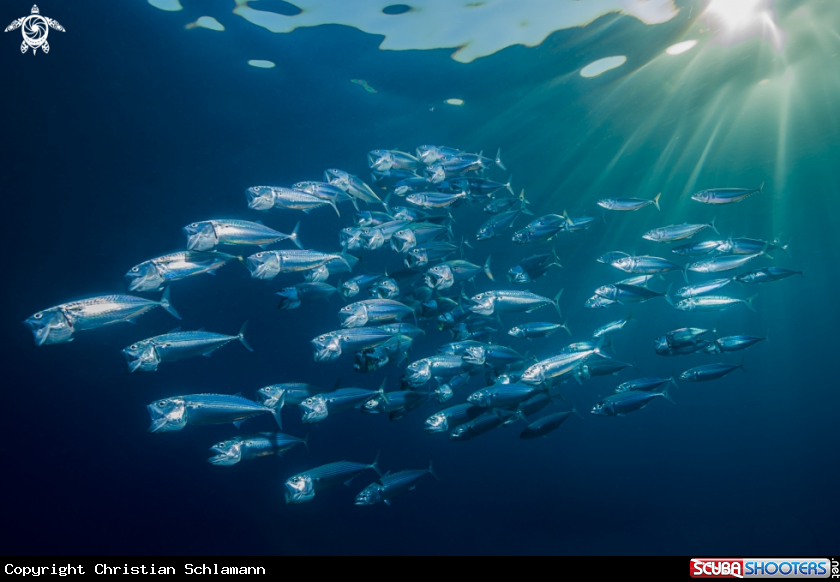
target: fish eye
<point>135,269</point>
<point>134,347</point>
<point>194,225</point>
<point>39,315</point>
<point>221,445</point>
<point>259,255</point>
<point>162,403</point>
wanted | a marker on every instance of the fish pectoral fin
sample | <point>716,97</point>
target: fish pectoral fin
<point>208,354</point>
<point>388,502</point>
<point>238,423</point>
<point>349,481</point>
<point>412,488</point>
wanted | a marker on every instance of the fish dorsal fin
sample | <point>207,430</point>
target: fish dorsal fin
<point>238,394</point>
<point>176,330</point>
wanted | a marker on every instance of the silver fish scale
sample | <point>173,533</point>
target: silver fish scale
<point>402,480</point>
<point>517,297</point>
<point>109,307</point>
<point>295,196</point>
<point>223,402</point>
<point>725,263</point>
<point>243,232</point>
<point>343,394</point>
<point>188,263</point>
<point>302,257</point>
<point>187,336</point>
<point>511,391</point>
<point>269,440</point>
<point>233,223</point>
<point>340,469</point>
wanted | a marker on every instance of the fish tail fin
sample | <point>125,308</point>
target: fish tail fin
<point>712,225</point>
<point>667,396</point>
<point>306,442</point>
<point>167,305</point>
<point>555,257</point>
<point>335,207</point>
<point>296,237</point>
<point>499,159</point>
<point>566,217</point>
<point>509,189</point>
<point>802,273</point>
<point>487,270</point>
<point>375,464</point>
<point>432,468</point>
<point>575,411</point>
<point>630,317</point>
<point>685,275</point>
<point>741,365</point>
<point>761,188</point>
<point>786,247</point>
<point>275,412</point>
<point>566,327</point>
<point>656,201</point>
<point>668,298</point>
<point>748,302</point>
<point>465,243</point>
<point>241,337</point>
<point>381,391</point>
<point>345,261</point>
<point>556,303</point>
<point>522,202</point>
<point>673,380</point>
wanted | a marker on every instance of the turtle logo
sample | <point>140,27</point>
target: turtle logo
<point>35,29</point>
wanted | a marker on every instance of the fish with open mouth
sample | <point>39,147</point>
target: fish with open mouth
<point>173,414</point>
<point>58,324</point>
<point>208,234</point>
<point>302,487</point>
<point>147,355</point>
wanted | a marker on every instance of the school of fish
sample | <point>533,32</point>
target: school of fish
<point>409,214</point>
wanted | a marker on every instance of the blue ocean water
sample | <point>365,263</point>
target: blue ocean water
<point>132,127</point>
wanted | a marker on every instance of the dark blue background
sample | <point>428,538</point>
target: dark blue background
<point>132,127</point>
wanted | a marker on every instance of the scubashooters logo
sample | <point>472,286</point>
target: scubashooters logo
<point>35,29</point>
<point>790,568</point>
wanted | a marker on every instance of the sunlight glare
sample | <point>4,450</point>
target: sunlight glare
<point>681,47</point>
<point>735,13</point>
